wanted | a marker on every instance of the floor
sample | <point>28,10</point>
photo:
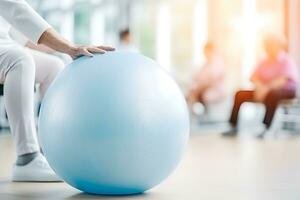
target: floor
<point>213,167</point>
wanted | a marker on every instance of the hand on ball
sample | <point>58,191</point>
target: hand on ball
<point>55,41</point>
<point>83,50</point>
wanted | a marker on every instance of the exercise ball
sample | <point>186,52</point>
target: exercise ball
<point>113,124</point>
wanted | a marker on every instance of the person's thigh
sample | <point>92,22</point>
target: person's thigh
<point>244,96</point>
<point>10,53</point>
<point>273,97</point>
<point>47,66</point>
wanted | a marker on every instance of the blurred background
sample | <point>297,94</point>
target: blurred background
<point>212,49</point>
<point>175,32</point>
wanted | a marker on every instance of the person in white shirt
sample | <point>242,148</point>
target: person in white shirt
<point>19,70</point>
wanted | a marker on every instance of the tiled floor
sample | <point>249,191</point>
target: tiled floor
<point>213,168</point>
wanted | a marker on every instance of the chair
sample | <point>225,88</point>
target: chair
<point>288,115</point>
<point>3,117</point>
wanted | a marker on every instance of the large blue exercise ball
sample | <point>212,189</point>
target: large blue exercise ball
<point>113,124</point>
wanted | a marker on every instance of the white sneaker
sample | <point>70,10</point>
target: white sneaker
<point>38,170</point>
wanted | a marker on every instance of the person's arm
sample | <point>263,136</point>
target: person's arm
<point>261,89</point>
<point>25,20</point>
<point>257,83</point>
<point>278,82</point>
<point>17,36</point>
<point>40,47</point>
<point>256,75</point>
<point>55,41</point>
<point>24,41</point>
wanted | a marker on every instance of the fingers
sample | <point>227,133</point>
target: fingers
<point>106,48</point>
<point>85,52</point>
<point>95,50</point>
<point>89,50</point>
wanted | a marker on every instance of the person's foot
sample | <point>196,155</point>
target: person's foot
<point>38,170</point>
<point>230,133</point>
<point>197,109</point>
<point>262,134</point>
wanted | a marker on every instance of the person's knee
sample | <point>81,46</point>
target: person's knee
<point>57,66</point>
<point>19,58</point>
<point>272,98</point>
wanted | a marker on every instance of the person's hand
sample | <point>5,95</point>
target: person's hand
<point>279,82</point>
<point>261,93</point>
<point>55,41</point>
<point>78,51</point>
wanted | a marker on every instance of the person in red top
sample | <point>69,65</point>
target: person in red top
<point>275,78</point>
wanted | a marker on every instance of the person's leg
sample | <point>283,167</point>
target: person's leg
<point>212,95</point>
<point>201,99</point>
<point>47,68</point>
<point>200,105</point>
<point>240,97</point>
<point>195,95</point>
<point>17,72</point>
<point>271,102</point>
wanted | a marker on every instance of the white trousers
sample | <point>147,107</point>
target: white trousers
<point>20,68</point>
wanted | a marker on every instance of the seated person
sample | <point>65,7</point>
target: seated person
<point>275,78</point>
<point>208,82</point>
<point>19,68</point>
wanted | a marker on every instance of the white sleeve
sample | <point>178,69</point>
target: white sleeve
<point>23,18</point>
<point>17,36</point>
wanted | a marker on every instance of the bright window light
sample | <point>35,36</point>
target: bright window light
<point>249,32</point>
<point>67,23</point>
<point>199,30</point>
<point>97,27</point>
<point>163,34</point>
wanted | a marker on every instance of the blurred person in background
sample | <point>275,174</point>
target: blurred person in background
<point>20,68</point>
<point>125,41</point>
<point>208,82</point>
<point>275,78</point>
